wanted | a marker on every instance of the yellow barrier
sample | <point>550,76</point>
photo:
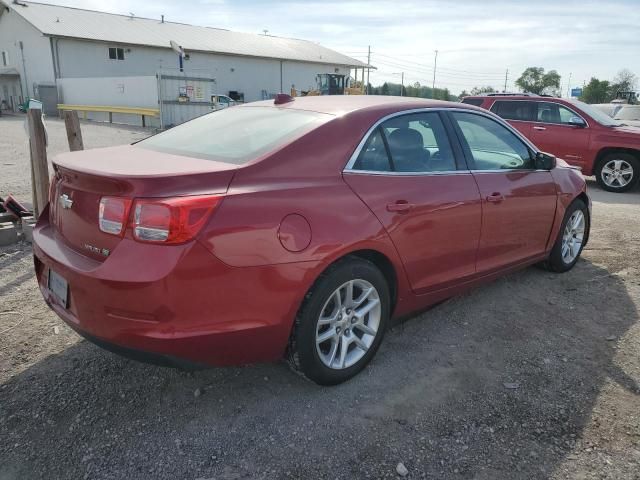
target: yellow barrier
<point>144,112</point>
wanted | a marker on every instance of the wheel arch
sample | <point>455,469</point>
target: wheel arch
<point>379,259</point>
<point>382,263</point>
<point>585,198</point>
<point>603,152</point>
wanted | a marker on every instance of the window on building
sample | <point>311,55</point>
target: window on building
<point>5,58</point>
<point>116,53</point>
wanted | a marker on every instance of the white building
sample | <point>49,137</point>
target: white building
<point>68,55</point>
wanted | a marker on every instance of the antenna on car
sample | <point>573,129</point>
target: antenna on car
<point>282,98</point>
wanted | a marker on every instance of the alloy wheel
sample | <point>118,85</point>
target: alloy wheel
<point>617,173</point>
<point>573,237</point>
<point>348,324</point>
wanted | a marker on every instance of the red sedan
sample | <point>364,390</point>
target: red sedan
<point>297,228</point>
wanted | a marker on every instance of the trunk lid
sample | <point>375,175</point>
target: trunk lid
<point>81,179</point>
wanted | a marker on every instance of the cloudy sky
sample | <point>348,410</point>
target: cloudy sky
<point>477,41</point>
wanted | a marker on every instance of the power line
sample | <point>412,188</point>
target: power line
<point>448,78</point>
<point>456,70</point>
<point>429,71</point>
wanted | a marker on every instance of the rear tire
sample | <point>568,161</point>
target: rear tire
<point>618,172</point>
<point>341,322</point>
<point>573,233</point>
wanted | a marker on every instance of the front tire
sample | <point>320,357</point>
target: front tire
<point>341,322</point>
<point>618,172</point>
<point>572,236</point>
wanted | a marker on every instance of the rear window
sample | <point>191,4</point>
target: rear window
<point>473,101</point>
<point>514,110</point>
<point>628,112</point>
<point>236,135</point>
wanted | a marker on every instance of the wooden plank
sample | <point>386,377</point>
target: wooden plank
<point>74,133</point>
<point>39,165</point>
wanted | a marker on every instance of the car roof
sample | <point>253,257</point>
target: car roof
<point>342,104</point>
<point>528,97</point>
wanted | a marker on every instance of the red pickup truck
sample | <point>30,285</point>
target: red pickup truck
<point>574,131</point>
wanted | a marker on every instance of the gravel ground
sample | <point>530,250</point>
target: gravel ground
<point>535,375</point>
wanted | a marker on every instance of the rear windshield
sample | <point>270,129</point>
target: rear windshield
<point>235,135</point>
<point>628,112</point>
<point>473,101</point>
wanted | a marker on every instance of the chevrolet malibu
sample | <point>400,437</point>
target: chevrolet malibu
<point>297,228</point>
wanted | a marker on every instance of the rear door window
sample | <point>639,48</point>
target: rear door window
<point>374,156</point>
<point>411,143</point>
<point>515,110</point>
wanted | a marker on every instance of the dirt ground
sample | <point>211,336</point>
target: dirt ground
<point>536,375</point>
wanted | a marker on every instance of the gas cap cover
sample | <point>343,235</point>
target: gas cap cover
<point>294,232</point>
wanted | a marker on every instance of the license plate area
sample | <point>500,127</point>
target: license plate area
<point>59,288</point>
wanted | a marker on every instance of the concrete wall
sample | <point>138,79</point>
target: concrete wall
<point>38,61</point>
<point>250,76</point>
<point>115,91</point>
<point>111,91</point>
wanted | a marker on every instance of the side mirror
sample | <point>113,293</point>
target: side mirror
<point>577,122</point>
<point>545,161</point>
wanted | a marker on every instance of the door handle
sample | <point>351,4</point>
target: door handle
<point>539,128</point>
<point>495,197</point>
<point>400,206</point>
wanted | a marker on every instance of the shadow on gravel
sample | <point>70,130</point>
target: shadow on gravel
<point>498,383</point>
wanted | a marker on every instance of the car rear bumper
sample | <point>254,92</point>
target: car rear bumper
<point>173,304</point>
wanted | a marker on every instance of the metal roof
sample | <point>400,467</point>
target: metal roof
<point>59,21</point>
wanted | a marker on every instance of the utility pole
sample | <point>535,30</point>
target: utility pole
<point>368,67</point>
<point>435,64</point>
<point>401,82</point>
<point>569,87</point>
<point>506,78</point>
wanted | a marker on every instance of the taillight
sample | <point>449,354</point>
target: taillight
<point>171,220</point>
<point>113,214</point>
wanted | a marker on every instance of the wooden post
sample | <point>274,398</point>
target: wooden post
<point>74,133</point>
<point>39,165</point>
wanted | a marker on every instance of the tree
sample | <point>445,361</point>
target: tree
<point>596,91</point>
<point>625,81</point>
<point>463,94</point>
<point>535,80</point>
<point>385,89</point>
<point>482,90</point>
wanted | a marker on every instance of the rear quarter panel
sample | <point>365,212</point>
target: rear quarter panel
<point>305,179</point>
